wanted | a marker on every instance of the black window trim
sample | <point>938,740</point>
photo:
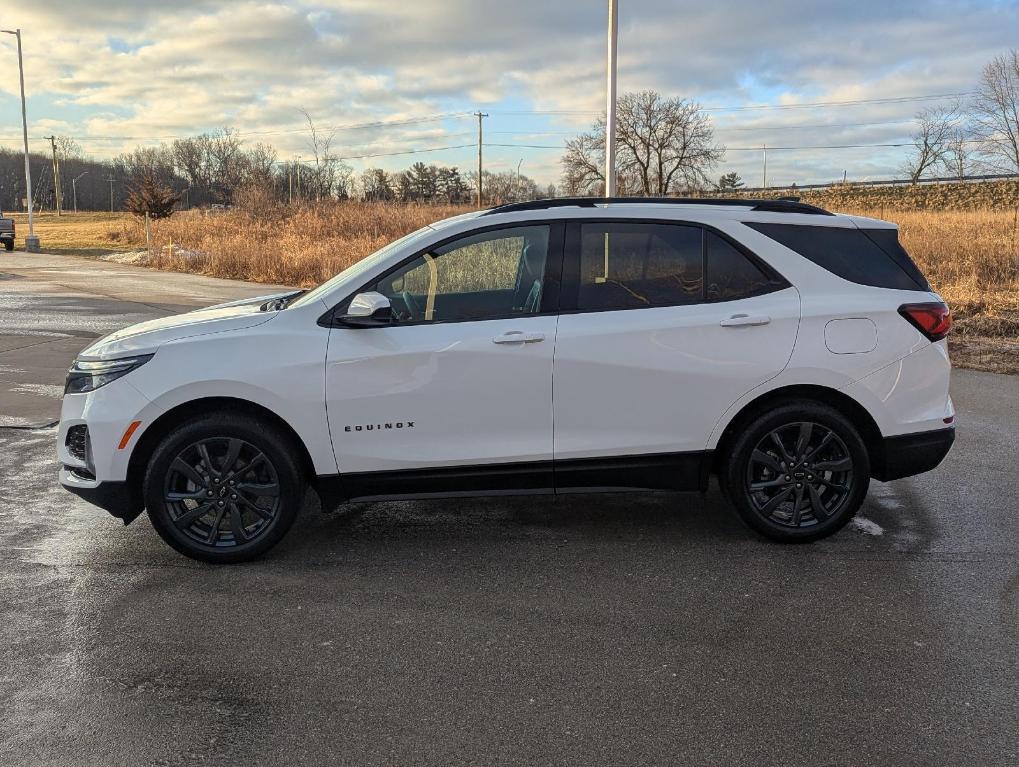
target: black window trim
<point>551,285</point>
<point>570,287</point>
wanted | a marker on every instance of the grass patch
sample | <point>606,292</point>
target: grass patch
<point>78,233</point>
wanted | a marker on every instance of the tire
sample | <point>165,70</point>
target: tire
<point>819,495</point>
<point>222,478</point>
<point>9,244</point>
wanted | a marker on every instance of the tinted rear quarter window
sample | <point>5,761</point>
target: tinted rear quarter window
<point>852,254</point>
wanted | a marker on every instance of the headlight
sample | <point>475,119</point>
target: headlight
<point>89,375</point>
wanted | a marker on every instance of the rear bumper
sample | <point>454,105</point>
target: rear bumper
<point>909,454</point>
<point>118,498</point>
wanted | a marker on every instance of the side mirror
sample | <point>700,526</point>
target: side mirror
<point>367,310</point>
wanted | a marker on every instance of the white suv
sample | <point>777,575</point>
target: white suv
<point>554,346</point>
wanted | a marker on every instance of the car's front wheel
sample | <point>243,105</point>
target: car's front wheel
<point>224,488</point>
<point>797,472</point>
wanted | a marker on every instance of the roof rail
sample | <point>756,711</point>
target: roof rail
<point>779,205</point>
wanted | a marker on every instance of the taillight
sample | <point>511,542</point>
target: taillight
<point>932,319</point>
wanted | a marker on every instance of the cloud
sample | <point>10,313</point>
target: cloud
<point>148,68</point>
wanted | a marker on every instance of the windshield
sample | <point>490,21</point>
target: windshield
<point>364,265</point>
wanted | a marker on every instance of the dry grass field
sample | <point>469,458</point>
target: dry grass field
<point>78,233</point>
<point>970,256</point>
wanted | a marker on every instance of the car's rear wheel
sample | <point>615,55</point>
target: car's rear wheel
<point>798,472</point>
<point>224,488</point>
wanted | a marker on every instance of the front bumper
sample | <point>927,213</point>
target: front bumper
<point>118,498</point>
<point>909,454</point>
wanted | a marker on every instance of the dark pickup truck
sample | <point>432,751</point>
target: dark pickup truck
<point>7,232</point>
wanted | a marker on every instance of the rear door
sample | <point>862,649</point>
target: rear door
<point>663,326</point>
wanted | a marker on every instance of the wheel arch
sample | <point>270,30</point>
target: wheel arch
<point>184,412</point>
<point>846,405</point>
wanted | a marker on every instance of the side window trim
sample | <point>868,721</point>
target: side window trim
<point>551,286</point>
<point>570,288</point>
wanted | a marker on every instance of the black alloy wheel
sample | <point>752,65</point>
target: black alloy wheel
<point>796,472</point>
<point>799,475</point>
<point>224,488</point>
<point>222,492</point>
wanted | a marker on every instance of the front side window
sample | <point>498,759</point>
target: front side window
<point>639,265</point>
<point>483,276</point>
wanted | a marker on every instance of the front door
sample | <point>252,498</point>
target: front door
<point>459,386</point>
<point>664,326</point>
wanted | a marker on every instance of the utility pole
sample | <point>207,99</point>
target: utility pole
<point>765,184</point>
<point>56,173</point>
<point>110,179</point>
<point>610,105</point>
<point>480,115</point>
<point>74,189</point>
<point>31,242</point>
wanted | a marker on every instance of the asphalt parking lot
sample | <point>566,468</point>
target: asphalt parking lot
<point>647,629</point>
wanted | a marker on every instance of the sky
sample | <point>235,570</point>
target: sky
<point>393,76</point>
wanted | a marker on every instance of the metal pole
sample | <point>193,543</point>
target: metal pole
<point>610,105</point>
<point>74,189</point>
<point>110,179</point>
<point>31,242</point>
<point>765,184</point>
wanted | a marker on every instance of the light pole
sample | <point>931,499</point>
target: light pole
<point>610,106</point>
<point>74,189</point>
<point>31,242</point>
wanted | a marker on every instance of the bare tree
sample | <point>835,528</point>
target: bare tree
<point>224,159</point>
<point>69,149</point>
<point>260,161</point>
<point>935,128</point>
<point>192,159</point>
<point>324,173</point>
<point>996,113</point>
<point>376,185</point>
<point>958,160</point>
<point>148,162</point>
<point>664,144</point>
<point>583,163</point>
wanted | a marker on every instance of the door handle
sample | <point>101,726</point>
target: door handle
<point>518,337</point>
<point>745,320</point>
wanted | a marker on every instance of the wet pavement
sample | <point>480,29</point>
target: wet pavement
<point>622,629</point>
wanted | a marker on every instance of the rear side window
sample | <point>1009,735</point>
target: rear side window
<point>852,254</point>
<point>635,266</point>
<point>730,274</point>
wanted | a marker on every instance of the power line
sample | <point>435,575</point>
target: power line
<point>749,107</point>
<point>353,126</point>
<point>854,102</point>
<point>391,154</point>
<point>753,128</point>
